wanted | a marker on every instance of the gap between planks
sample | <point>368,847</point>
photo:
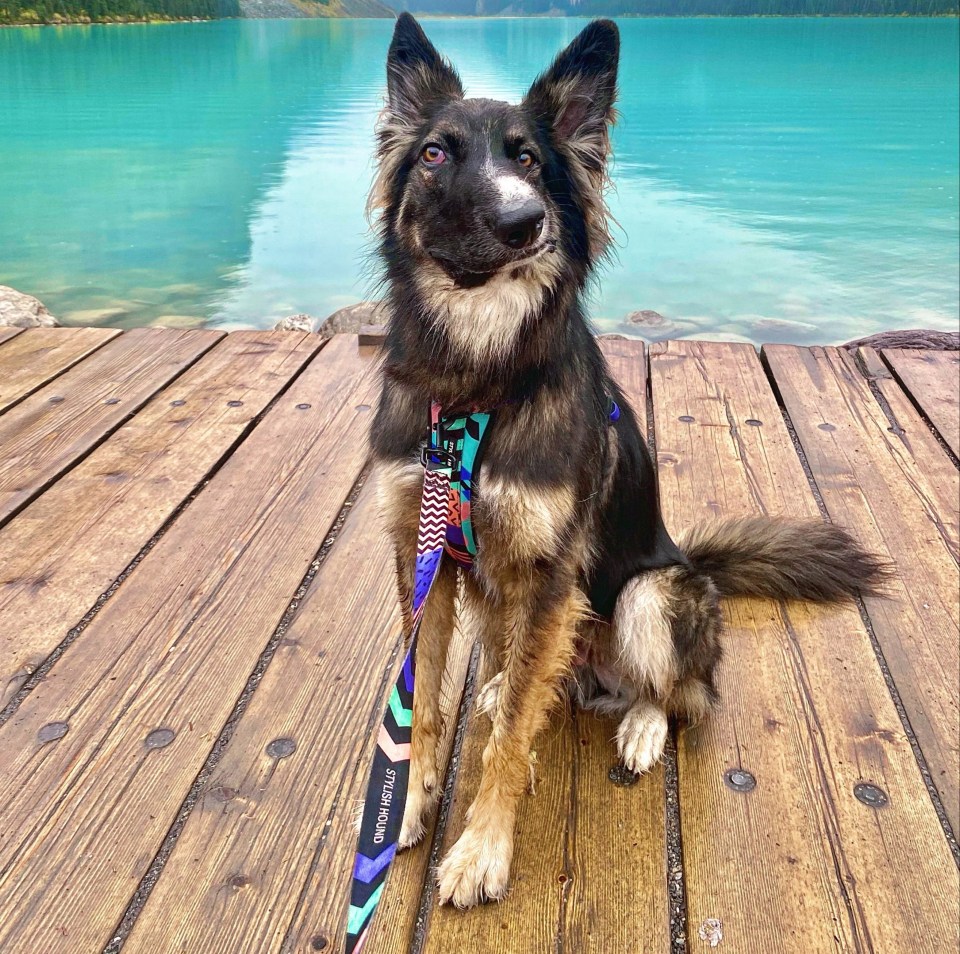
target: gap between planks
<point>84,536</point>
<point>204,776</point>
<point>894,692</point>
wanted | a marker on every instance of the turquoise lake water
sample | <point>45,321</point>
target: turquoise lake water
<point>780,180</point>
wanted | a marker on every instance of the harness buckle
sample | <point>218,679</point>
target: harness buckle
<point>434,458</point>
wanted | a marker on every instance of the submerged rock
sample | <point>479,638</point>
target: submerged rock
<point>720,336</point>
<point>178,321</point>
<point>656,327</point>
<point>785,325</point>
<point>18,310</point>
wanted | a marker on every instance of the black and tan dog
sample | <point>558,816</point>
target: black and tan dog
<point>491,218</point>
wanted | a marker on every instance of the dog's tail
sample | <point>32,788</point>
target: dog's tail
<point>781,559</point>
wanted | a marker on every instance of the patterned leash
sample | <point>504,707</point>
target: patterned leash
<point>445,527</point>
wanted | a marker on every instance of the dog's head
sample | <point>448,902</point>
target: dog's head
<point>483,193</point>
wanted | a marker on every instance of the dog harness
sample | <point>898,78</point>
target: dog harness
<point>449,460</point>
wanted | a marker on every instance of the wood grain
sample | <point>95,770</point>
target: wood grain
<point>263,820</point>
<point>582,895</point>
<point>893,486</point>
<point>7,334</point>
<point>797,865</point>
<point>68,546</point>
<point>84,814</point>
<point>932,379</point>
<point>616,836</point>
<point>40,354</point>
<point>58,424</point>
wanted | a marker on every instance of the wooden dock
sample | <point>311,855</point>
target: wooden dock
<point>198,627</point>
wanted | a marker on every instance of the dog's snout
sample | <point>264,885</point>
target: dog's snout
<point>518,226</point>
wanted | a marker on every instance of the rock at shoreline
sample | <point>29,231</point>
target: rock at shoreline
<point>295,323</point>
<point>349,320</point>
<point>919,339</point>
<point>18,310</point>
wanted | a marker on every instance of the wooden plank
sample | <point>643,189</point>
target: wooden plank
<point>577,829</point>
<point>6,334</point>
<point>615,830</point>
<point>797,865</point>
<point>67,547</point>
<point>85,813</point>
<point>41,354</point>
<point>260,819</point>
<point>46,433</point>
<point>932,379</point>
<point>892,485</point>
<point>942,484</point>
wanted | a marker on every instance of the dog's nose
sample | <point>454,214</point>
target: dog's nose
<point>520,225</point>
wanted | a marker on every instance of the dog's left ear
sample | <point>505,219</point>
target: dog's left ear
<point>575,96</point>
<point>417,75</point>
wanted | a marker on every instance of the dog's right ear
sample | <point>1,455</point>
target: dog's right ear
<point>416,73</point>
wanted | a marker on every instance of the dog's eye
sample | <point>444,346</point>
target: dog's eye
<point>432,155</point>
<point>526,159</point>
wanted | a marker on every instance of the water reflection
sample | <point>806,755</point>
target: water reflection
<point>777,180</point>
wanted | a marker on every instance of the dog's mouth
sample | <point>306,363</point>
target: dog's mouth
<point>470,274</point>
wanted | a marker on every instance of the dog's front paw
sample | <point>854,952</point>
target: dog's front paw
<point>477,868</point>
<point>642,736</point>
<point>489,696</point>
<point>421,797</point>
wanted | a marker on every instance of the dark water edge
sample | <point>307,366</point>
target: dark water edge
<point>949,15</point>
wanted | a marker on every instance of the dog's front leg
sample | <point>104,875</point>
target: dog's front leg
<point>539,647</point>
<point>436,628</point>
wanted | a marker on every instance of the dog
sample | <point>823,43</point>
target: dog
<point>491,218</point>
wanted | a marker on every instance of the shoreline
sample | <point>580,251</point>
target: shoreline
<point>124,21</point>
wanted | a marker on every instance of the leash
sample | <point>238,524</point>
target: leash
<point>449,461</point>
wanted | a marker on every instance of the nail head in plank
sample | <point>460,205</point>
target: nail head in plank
<point>796,864</point>
<point>69,545</point>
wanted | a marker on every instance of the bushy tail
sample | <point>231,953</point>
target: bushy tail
<point>781,559</point>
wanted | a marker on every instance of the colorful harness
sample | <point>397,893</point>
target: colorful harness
<point>450,461</point>
<point>445,527</point>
